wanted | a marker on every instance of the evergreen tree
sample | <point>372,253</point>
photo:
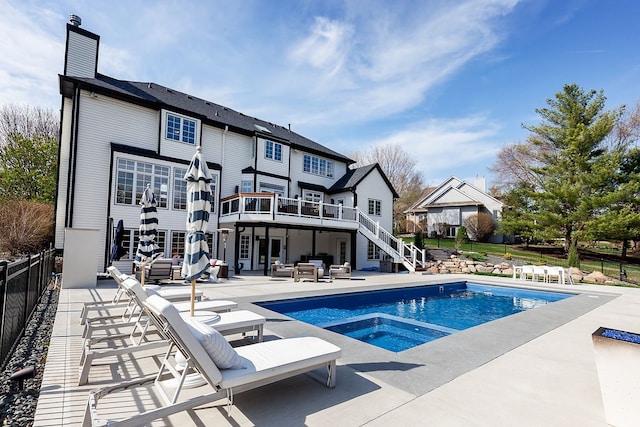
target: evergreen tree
<point>575,168</point>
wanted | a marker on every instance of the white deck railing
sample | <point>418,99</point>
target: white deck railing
<point>272,205</point>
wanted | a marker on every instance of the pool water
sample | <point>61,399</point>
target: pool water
<point>399,319</point>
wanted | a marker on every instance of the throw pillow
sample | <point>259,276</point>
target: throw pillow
<point>218,348</point>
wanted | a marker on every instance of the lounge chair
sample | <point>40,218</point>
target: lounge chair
<point>282,270</point>
<point>241,321</point>
<point>340,271</point>
<point>105,308</point>
<point>255,365</point>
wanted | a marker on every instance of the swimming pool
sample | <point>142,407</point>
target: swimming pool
<point>399,319</point>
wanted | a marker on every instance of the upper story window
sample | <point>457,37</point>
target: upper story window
<point>133,177</point>
<point>317,166</point>
<point>273,151</point>
<point>375,207</point>
<point>179,128</point>
<point>180,190</point>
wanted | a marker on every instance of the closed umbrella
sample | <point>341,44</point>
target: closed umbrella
<point>196,249</point>
<point>117,251</point>
<point>148,249</point>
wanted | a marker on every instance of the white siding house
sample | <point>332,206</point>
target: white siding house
<point>283,196</point>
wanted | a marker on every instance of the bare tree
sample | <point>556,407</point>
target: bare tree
<point>399,167</point>
<point>28,121</point>
<point>513,167</point>
<point>480,226</point>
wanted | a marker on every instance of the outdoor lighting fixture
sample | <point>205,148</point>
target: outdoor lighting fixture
<point>225,233</point>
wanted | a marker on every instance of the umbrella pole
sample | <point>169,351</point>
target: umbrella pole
<point>193,297</point>
<point>142,274</point>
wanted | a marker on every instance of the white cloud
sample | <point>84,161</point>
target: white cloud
<point>326,48</point>
<point>448,146</point>
<point>377,61</point>
<point>30,59</point>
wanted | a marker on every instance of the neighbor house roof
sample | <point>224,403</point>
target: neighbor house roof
<point>156,96</point>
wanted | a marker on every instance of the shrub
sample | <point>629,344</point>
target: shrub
<point>417,240</point>
<point>25,226</point>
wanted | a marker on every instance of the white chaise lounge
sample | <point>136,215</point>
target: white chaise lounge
<point>227,323</point>
<point>208,355</point>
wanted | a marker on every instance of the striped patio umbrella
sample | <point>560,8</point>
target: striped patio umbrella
<point>148,249</point>
<point>196,249</point>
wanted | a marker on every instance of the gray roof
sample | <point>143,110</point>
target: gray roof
<point>352,178</point>
<point>157,96</point>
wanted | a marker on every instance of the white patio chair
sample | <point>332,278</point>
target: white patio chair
<point>555,274</point>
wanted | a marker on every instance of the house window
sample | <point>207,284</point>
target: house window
<point>451,232</point>
<point>179,189</point>
<point>375,207</point>
<point>246,187</point>
<point>245,244</point>
<point>273,150</point>
<point>177,244</point>
<point>311,196</point>
<point>180,129</point>
<point>161,238</point>
<point>373,252</point>
<point>317,166</point>
<point>265,187</point>
<point>133,177</point>
<point>214,192</point>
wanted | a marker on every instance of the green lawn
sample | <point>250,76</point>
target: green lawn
<point>538,255</point>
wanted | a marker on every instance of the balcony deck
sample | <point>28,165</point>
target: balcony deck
<point>269,207</point>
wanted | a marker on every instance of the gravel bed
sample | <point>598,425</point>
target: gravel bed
<point>18,407</point>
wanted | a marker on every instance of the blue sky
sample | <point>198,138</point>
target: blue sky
<point>450,81</point>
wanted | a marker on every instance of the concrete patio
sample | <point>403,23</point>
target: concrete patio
<point>535,368</point>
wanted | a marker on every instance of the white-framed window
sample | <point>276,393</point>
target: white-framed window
<point>180,128</point>
<point>246,187</point>
<point>375,207</point>
<point>373,252</point>
<point>245,246</point>
<point>450,232</point>
<point>214,192</point>
<point>317,166</point>
<point>131,238</point>
<point>179,189</point>
<point>311,196</point>
<point>178,239</point>
<point>132,178</point>
<point>266,187</point>
<point>273,150</point>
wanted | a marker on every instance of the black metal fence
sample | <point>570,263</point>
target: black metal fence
<point>22,282</point>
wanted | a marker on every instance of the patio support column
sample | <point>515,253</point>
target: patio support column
<point>236,250</point>
<point>352,249</point>
<point>267,257</point>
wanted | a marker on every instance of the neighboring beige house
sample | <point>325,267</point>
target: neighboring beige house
<point>443,210</point>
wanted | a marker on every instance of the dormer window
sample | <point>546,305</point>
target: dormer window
<point>179,128</point>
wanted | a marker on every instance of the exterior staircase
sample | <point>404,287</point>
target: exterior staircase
<point>402,253</point>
